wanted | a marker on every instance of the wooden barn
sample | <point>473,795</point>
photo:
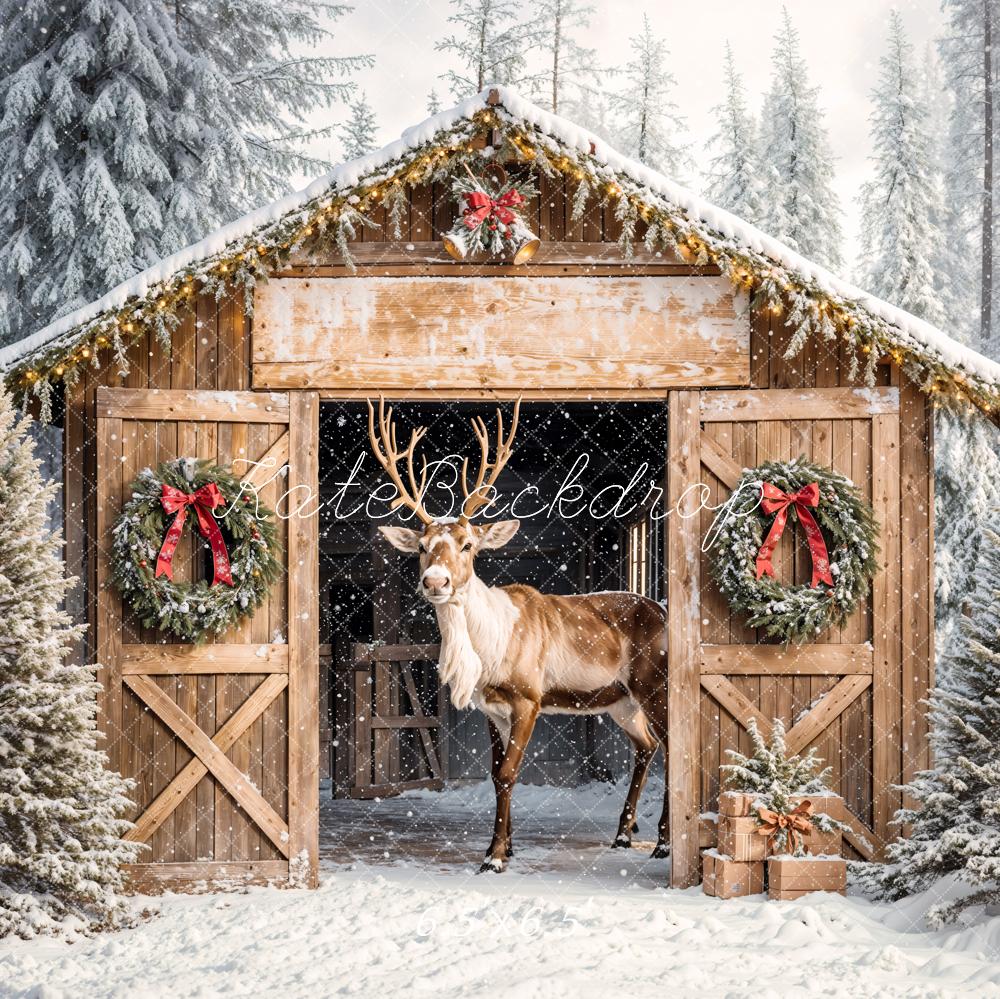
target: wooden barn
<point>640,326</point>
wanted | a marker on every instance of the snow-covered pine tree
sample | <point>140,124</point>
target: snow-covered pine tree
<point>969,53</point>
<point>733,176</point>
<point>967,489</point>
<point>955,826</point>
<point>774,777</point>
<point>954,283</point>
<point>900,206</point>
<point>359,131</point>
<point>433,102</point>
<point>768,771</point>
<point>489,42</point>
<point>570,74</point>
<point>60,809</point>
<point>802,208</point>
<point>130,129</point>
<point>648,124</point>
<point>967,448</point>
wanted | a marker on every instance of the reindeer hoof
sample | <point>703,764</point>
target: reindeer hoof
<point>622,842</point>
<point>635,827</point>
<point>660,851</point>
<point>493,864</point>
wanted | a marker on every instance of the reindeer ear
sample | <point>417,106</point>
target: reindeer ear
<point>402,538</point>
<point>498,534</point>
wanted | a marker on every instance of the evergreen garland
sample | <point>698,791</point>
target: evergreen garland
<point>192,611</point>
<point>798,612</point>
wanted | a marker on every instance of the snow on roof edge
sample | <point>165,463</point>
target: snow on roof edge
<point>346,175</point>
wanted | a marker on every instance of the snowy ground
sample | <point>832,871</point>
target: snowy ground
<point>570,918</point>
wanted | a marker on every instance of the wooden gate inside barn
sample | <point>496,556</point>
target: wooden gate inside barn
<point>843,693</point>
<point>221,738</point>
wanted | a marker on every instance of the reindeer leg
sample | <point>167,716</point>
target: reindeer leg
<point>497,750</point>
<point>523,714</point>
<point>632,720</point>
<point>653,698</point>
<point>627,824</point>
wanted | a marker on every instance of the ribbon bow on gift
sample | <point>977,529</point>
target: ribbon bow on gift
<point>773,500</point>
<point>480,206</point>
<point>204,501</point>
<point>796,823</point>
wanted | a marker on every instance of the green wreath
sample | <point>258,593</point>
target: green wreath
<point>849,533</point>
<point>249,559</point>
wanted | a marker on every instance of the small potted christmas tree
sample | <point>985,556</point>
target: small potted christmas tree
<point>776,804</point>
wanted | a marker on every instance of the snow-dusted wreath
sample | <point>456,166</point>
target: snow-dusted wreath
<point>238,530</point>
<point>840,530</point>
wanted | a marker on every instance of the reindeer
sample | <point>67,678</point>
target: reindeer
<point>514,652</point>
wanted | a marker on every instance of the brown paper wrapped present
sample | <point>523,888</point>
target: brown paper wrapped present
<point>738,838</point>
<point>792,877</point>
<point>724,877</point>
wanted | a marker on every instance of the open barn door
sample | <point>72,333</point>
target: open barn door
<point>221,738</point>
<point>841,693</point>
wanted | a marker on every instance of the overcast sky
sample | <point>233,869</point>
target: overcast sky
<point>841,41</point>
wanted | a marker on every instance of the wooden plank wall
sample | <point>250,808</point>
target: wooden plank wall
<point>211,350</point>
<point>881,737</point>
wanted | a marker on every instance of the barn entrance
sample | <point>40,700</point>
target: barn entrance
<point>587,482</point>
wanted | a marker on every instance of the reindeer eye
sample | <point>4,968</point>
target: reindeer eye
<point>467,547</point>
<point>421,549</point>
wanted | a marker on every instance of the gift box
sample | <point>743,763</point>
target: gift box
<point>724,877</point>
<point>739,839</point>
<point>736,803</point>
<point>792,877</point>
<point>823,844</point>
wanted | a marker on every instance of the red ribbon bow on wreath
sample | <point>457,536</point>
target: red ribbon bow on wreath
<point>796,823</point>
<point>204,501</point>
<point>481,206</point>
<point>773,500</point>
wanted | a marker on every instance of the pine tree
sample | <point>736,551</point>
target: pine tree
<point>900,207</point>
<point>734,172</point>
<point>130,129</point>
<point>969,52</point>
<point>649,124</point>
<point>433,102</point>
<point>967,489</point>
<point>771,773</point>
<point>60,809</point>
<point>802,207</point>
<point>490,44</point>
<point>955,826</point>
<point>570,72</point>
<point>774,777</point>
<point>359,131</point>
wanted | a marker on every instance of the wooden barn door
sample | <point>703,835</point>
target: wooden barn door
<point>221,738</point>
<point>841,693</point>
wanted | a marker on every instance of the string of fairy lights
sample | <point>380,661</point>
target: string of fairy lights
<point>330,223</point>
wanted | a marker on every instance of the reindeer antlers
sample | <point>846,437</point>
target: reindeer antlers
<point>477,497</point>
<point>388,455</point>
<point>389,459</point>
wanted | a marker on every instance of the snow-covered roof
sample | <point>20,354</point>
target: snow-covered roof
<point>885,325</point>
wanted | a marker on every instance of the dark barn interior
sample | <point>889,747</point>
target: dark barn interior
<point>584,480</point>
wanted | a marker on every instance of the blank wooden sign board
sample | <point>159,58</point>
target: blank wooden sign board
<point>645,334</point>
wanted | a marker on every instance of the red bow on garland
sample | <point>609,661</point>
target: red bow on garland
<point>777,502</point>
<point>204,501</point>
<point>481,206</point>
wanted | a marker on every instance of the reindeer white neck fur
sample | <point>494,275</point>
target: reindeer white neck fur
<point>475,630</point>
